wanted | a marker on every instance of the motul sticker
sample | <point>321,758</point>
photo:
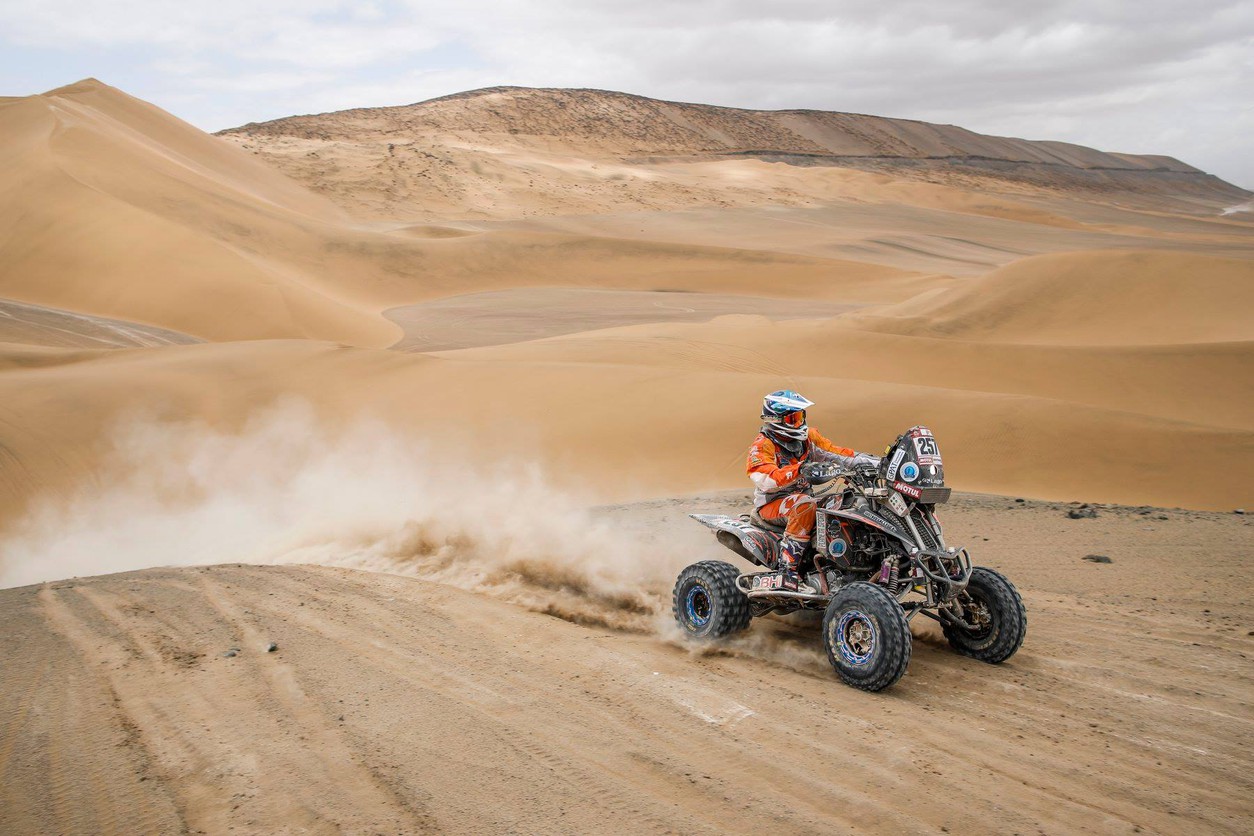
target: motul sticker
<point>908,490</point>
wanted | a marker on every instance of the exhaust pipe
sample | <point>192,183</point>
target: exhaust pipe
<point>775,593</point>
<point>781,593</point>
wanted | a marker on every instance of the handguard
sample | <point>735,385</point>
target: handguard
<point>819,473</point>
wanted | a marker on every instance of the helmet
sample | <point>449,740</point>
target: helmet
<point>784,412</point>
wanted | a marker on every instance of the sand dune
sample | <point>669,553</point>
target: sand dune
<point>1082,369</point>
<point>612,437</point>
<point>451,340</point>
<point>1097,344</point>
<point>116,209</point>
<point>503,152</point>
<point>937,239</point>
<point>505,317</point>
<point>602,120</point>
<point>1146,298</point>
<point>1169,381</point>
<point>37,325</point>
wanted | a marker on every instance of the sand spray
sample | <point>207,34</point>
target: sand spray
<point>287,488</point>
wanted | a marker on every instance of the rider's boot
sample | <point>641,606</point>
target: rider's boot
<point>790,552</point>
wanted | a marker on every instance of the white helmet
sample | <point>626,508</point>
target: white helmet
<point>784,412</point>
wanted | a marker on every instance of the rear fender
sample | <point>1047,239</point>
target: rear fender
<point>743,537</point>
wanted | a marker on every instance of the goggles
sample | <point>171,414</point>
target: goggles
<point>793,419</point>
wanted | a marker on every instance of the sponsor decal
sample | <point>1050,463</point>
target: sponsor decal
<point>908,490</point>
<point>837,547</point>
<point>895,462</point>
<point>932,470</point>
<point>775,581</point>
<point>909,471</point>
<point>926,446</point>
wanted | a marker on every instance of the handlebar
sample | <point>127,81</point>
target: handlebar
<point>814,474</point>
<point>819,473</point>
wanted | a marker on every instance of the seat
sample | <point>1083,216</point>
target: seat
<point>770,525</point>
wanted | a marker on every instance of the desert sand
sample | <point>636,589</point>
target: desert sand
<point>422,395</point>
<point>396,704</point>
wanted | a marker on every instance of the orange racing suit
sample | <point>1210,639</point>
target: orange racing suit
<point>774,472</point>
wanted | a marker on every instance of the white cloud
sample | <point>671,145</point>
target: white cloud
<point>260,82</point>
<point>1154,76</point>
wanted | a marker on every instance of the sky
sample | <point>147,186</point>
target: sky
<point>1150,76</point>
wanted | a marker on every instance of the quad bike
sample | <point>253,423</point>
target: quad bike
<point>877,559</point>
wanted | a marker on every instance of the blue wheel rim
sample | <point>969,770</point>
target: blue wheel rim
<point>855,636</point>
<point>697,606</point>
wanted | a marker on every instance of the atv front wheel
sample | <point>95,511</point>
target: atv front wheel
<point>867,636</point>
<point>994,605</point>
<point>707,603</point>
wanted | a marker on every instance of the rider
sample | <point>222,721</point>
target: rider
<point>774,465</point>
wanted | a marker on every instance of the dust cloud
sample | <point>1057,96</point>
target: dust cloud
<point>289,488</point>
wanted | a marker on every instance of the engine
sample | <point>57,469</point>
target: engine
<point>870,547</point>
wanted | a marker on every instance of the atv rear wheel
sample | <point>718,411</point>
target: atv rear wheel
<point>867,636</point>
<point>994,604</point>
<point>707,603</point>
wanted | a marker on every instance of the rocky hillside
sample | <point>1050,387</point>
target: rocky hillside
<point>461,150</point>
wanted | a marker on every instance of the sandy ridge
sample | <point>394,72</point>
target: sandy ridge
<point>505,152</point>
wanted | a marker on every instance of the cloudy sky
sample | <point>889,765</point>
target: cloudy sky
<point>1151,76</point>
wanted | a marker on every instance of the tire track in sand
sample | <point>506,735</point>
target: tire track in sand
<point>251,772</point>
<point>67,759</point>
